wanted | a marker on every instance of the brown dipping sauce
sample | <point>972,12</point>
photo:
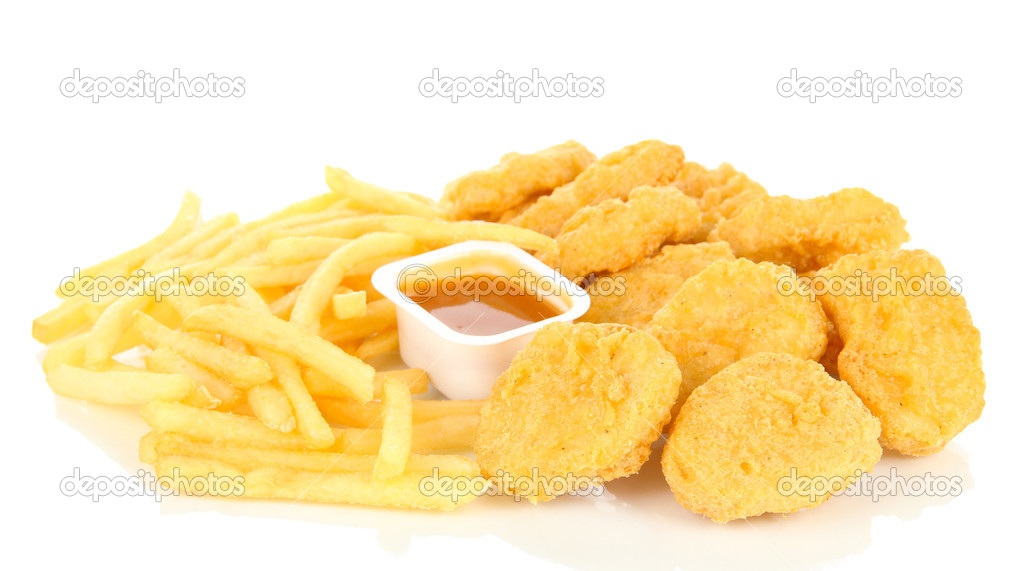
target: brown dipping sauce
<point>474,308</point>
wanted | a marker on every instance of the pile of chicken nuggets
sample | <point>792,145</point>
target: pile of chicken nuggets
<point>763,335</point>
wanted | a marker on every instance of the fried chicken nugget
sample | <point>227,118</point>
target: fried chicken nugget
<point>649,163</point>
<point>812,233</point>
<point>579,403</point>
<point>633,295</point>
<point>722,193</point>
<point>911,353</point>
<point>488,194</point>
<point>614,234</point>
<point>732,310</point>
<point>746,440</point>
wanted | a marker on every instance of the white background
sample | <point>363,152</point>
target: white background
<point>82,181</point>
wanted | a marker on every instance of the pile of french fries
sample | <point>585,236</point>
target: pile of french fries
<point>270,383</point>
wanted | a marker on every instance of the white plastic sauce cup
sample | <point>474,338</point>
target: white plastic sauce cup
<point>465,366</point>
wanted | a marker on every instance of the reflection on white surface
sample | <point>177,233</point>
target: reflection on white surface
<point>635,523</point>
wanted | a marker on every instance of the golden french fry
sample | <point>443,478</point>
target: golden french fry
<point>216,426</point>
<point>321,385</point>
<point>68,352</point>
<point>111,326</point>
<point>348,305</point>
<point>381,314</point>
<point>71,315</point>
<point>270,405</point>
<point>371,197</point>
<point>281,307</point>
<point>201,234</point>
<point>118,387</point>
<point>215,243</point>
<point>356,415</point>
<point>302,248</point>
<point>404,491</point>
<point>263,329</point>
<point>240,370</point>
<point>275,275</point>
<point>147,446</point>
<point>446,433</point>
<point>396,435</point>
<point>183,301</point>
<point>312,205</point>
<point>316,292</point>
<point>311,424</point>
<point>164,360</point>
<point>379,344</point>
<point>122,264</point>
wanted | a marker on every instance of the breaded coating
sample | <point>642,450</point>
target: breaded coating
<point>488,194</point>
<point>747,438</point>
<point>722,193</point>
<point>615,234</point>
<point>834,346</point>
<point>912,354</point>
<point>579,402</point>
<point>649,163</point>
<point>812,233</point>
<point>732,310</point>
<point>633,295</point>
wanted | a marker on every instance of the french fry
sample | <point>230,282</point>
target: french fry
<point>215,243</point>
<point>317,291</point>
<point>379,344</point>
<point>147,446</point>
<point>182,301</point>
<point>71,315</point>
<point>321,385</point>
<point>302,248</point>
<point>263,329</point>
<point>356,415</point>
<point>317,203</point>
<point>311,424</point>
<point>348,305</point>
<point>68,352</point>
<point>275,275</point>
<point>118,387</point>
<point>446,433</point>
<point>201,234</point>
<point>381,314</point>
<point>164,360</point>
<point>371,197</point>
<point>333,487</point>
<point>242,371</point>
<point>396,435</point>
<point>270,405</point>
<point>111,326</point>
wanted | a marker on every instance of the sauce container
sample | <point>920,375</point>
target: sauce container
<point>464,356</point>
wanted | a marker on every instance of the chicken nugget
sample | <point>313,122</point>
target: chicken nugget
<point>732,310</point>
<point>910,352</point>
<point>633,295</point>
<point>771,433</point>
<point>580,403</point>
<point>614,234</point>
<point>812,233</point>
<point>649,163</point>
<point>488,194</point>
<point>722,193</point>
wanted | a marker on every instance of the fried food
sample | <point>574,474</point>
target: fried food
<point>732,310</point>
<point>910,350</point>
<point>722,193</point>
<point>811,233</point>
<point>633,295</point>
<point>746,442</point>
<point>488,194</point>
<point>580,401</point>
<point>649,163</point>
<point>614,234</point>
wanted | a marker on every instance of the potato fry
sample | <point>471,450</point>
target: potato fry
<point>446,433</point>
<point>147,446</point>
<point>316,292</point>
<point>122,264</point>
<point>243,371</point>
<point>349,305</point>
<point>356,415</point>
<point>70,316</point>
<point>111,325</point>
<point>379,344</point>
<point>321,385</point>
<point>164,360</point>
<point>312,205</point>
<point>334,487</point>
<point>118,387</point>
<point>68,352</point>
<point>371,197</point>
<point>396,435</point>
<point>380,315</point>
<point>302,248</point>
<point>270,405</point>
<point>263,329</point>
<point>182,301</point>
<point>275,275</point>
<point>281,307</point>
<point>201,234</point>
<point>311,424</point>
